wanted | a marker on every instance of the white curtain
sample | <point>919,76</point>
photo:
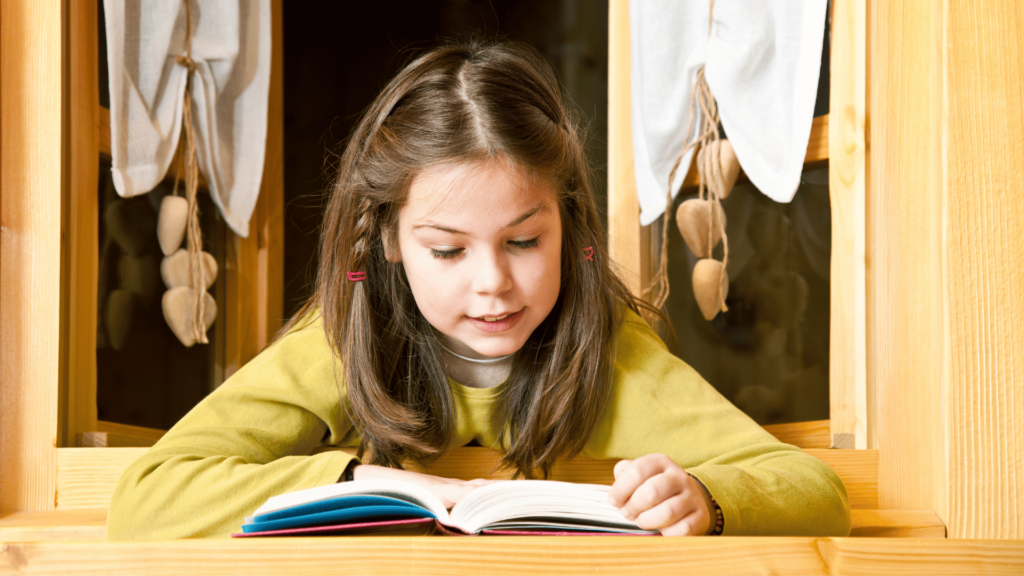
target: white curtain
<point>230,89</point>
<point>761,62</point>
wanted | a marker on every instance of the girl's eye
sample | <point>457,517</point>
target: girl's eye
<point>523,244</point>
<point>445,254</point>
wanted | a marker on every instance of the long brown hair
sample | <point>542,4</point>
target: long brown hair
<point>458,103</point>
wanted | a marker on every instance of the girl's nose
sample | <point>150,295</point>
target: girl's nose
<point>492,275</point>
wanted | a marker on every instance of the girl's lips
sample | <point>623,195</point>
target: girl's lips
<point>498,325</point>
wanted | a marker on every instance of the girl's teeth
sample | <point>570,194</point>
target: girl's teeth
<point>496,319</point>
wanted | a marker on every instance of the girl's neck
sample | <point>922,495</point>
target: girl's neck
<point>471,372</point>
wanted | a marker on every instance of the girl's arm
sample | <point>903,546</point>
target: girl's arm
<point>659,405</point>
<point>247,441</point>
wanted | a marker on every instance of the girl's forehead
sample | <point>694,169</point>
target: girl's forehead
<point>473,191</point>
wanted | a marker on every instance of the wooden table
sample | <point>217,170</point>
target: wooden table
<point>409,555</point>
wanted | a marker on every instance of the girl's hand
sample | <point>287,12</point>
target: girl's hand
<point>657,493</point>
<point>447,490</point>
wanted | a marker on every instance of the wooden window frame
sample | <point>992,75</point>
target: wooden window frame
<point>841,143</point>
<point>250,308</point>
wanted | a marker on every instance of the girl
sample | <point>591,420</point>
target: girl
<point>465,294</point>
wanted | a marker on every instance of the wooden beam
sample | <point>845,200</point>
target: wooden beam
<point>847,142</point>
<point>114,435</point>
<point>896,524</point>
<point>92,525</point>
<point>53,525</point>
<point>81,200</point>
<point>406,555</point>
<point>905,315</point>
<point>624,233</point>
<point>31,173</point>
<point>86,477</point>
<point>813,434</point>
<point>982,159</point>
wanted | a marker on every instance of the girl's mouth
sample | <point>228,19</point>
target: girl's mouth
<point>496,323</point>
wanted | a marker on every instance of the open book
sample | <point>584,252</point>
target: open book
<point>513,507</point>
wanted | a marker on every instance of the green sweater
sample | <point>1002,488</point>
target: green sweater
<point>254,437</point>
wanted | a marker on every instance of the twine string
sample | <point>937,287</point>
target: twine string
<point>197,273</point>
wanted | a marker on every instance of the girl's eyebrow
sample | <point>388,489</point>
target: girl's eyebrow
<point>519,220</point>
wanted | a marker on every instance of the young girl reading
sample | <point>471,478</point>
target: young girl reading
<point>465,294</point>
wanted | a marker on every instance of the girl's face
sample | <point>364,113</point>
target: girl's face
<point>481,245</point>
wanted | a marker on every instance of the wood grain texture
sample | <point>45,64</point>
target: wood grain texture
<point>624,232</point>
<point>129,430</point>
<point>983,266</point>
<point>91,524</point>
<point>30,249</point>
<point>86,477</point>
<point>812,434</point>
<point>896,524</point>
<point>409,555</point>
<point>81,250</point>
<point>847,142</point>
<point>53,525</point>
<point>253,306</point>
<point>111,440</point>
<point>904,215</point>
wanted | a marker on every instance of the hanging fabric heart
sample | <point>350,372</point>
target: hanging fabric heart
<point>693,219</point>
<point>171,223</point>
<point>178,307</point>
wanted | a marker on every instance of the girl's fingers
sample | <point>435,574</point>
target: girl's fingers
<point>629,476</point>
<point>693,524</point>
<point>652,493</point>
<point>667,513</point>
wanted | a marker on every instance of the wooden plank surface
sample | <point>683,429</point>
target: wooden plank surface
<point>624,233</point>
<point>111,440</point>
<point>129,430</point>
<point>896,524</point>
<point>983,266</point>
<point>30,249</point>
<point>53,525</point>
<point>409,555</point>
<point>847,142</point>
<point>904,199</point>
<point>82,202</point>
<point>813,434</point>
<point>87,476</point>
<point>91,524</point>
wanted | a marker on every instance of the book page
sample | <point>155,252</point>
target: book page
<point>539,503</point>
<point>397,489</point>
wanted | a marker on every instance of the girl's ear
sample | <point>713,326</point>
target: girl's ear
<point>391,252</point>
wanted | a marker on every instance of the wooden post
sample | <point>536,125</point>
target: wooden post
<point>625,245</point>
<point>31,170</point>
<point>945,288</point>
<point>81,246</point>
<point>848,393</point>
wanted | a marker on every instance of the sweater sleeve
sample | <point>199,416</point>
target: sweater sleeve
<point>659,404</point>
<point>250,439</point>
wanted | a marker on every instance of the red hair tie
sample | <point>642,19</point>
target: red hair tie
<point>356,276</point>
<point>588,253</point>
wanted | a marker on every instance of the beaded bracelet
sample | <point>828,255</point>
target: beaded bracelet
<point>719,518</point>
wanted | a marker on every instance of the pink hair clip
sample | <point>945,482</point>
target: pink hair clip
<point>356,276</point>
<point>588,253</point>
